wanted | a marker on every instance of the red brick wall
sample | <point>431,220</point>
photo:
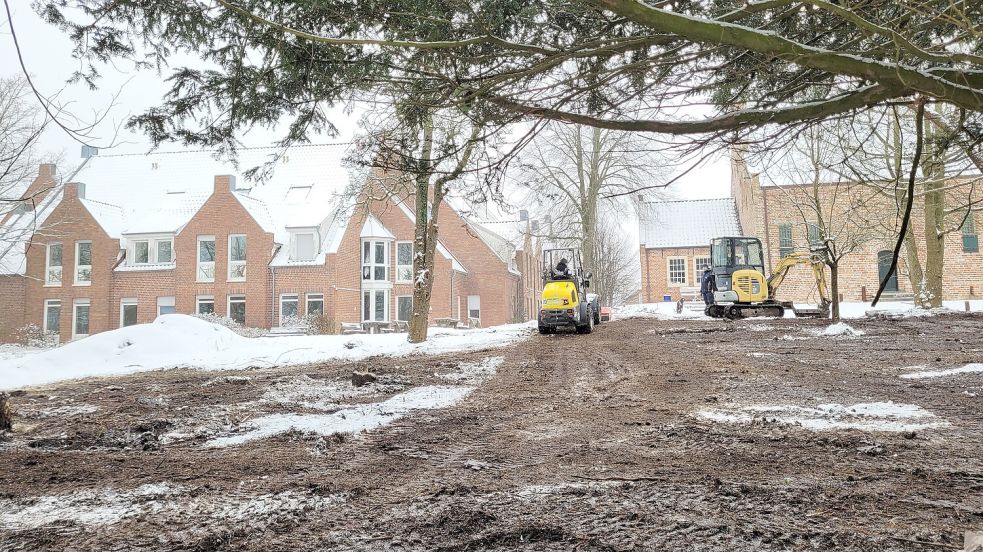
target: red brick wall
<point>145,286</point>
<point>221,216</point>
<point>655,272</point>
<point>12,305</point>
<point>72,222</point>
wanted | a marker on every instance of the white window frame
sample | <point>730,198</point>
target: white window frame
<point>166,301</point>
<point>78,267</point>
<point>75,312</point>
<point>150,252</point>
<point>669,281</point>
<point>400,267</point>
<point>202,267</point>
<point>295,250</point>
<point>477,302</point>
<point>285,297</point>
<point>127,302</point>
<point>48,268</point>
<point>372,293</point>
<point>410,297</point>
<point>238,298</point>
<point>372,264</point>
<point>238,263</point>
<point>204,299</point>
<point>698,263</point>
<point>157,250</point>
<point>313,297</point>
<point>48,303</point>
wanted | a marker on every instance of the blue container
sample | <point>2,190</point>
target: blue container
<point>667,298</point>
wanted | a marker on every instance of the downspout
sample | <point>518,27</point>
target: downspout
<point>272,294</point>
<point>648,275</point>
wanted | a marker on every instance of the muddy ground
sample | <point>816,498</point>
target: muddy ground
<point>576,442</point>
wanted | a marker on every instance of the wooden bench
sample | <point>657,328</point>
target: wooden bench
<point>348,328</point>
<point>688,296</point>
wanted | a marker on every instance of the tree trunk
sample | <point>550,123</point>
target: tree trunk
<point>425,241</point>
<point>915,274</point>
<point>934,243</point>
<point>834,289</point>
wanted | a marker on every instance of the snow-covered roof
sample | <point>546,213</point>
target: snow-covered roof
<point>109,217</point>
<point>689,223</point>
<point>501,247</point>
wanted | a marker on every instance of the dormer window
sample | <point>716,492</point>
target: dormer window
<point>304,246</point>
<point>148,251</point>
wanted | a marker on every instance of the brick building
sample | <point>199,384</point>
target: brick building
<point>676,235</point>
<point>129,237</point>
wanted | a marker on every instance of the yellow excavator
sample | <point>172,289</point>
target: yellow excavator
<point>742,289</point>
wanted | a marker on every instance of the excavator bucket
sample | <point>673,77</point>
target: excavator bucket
<point>807,313</point>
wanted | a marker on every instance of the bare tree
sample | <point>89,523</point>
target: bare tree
<point>581,176</point>
<point>617,262</point>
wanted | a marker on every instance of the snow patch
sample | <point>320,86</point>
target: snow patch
<point>879,416</point>
<point>351,420</point>
<point>968,369</point>
<point>474,372</point>
<point>658,311</point>
<point>161,500</point>
<point>840,329</point>
<point>58,411</point>
<point>207,346</point>
<point>317,394</point>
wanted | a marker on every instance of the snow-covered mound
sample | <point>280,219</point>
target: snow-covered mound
<point>658,311</point>
<point>177,340</point>
<point>840,329</point>
<point>974,368</point>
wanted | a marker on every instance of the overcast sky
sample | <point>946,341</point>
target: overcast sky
<point>48,56</point>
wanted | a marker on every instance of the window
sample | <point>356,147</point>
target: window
<point>304,249</point>
<point>474,306</point>
<point>677,271</point>
<point>404,308</point>
<point>237,308</point>
<point>315,304</point>
<point>52,267</point>
<point>375,305</point>
<point>971,241</point>
<point>80,319</point>
<point>147,251</point>
<point>141,252</point>
<point>165,305</point>
<point>288,309</point>
<point>52,316</point>
<point>699,263</point>
<point>206,304</point>
<point>404,261</point>
<point>83,263</point>
<point>165,251</point>
<point>127,312</point>
<point>785,244</point>
<point>237,258</point>
<point>375,261</point>
<point>206,258</point>
<point>815,235</point>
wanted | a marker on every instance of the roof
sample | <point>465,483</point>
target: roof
<point>689,223</point>
<point>109,217</point>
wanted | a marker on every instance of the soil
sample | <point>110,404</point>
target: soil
<point>577,442</point>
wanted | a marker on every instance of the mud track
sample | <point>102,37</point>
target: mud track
<point>577,442</point>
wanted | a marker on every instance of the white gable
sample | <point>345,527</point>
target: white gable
<point>374,229</point>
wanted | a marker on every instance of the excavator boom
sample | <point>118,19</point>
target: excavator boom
<point>816,264</point>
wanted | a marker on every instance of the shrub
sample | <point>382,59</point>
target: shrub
<point>244,331</point>
<point>33,336</point>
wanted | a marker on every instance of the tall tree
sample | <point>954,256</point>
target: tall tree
<point>581,176</point>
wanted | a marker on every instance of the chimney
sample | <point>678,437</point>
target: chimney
<point>225,183</point>
<point>75,190</point>
<point>89,151</point>
<point>523,215</point>
<point>47,170</point>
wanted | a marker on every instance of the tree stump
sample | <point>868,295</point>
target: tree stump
<point>6,419</point>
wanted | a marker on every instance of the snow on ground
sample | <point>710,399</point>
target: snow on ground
<point>351,420</point>
<point>317,394</point>
<point>968,369</point>
<point>878,416</point>
<point>473,373</point>
<point>840,329</point>
<point>659,311</point>
<point>10,351</point>
<point>176,340</point>
<point>109,506</point>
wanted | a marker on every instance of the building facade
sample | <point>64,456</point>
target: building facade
<point>785,219</point>
<point>128,238</point>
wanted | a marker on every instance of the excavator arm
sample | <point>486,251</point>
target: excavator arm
<point>799,258</point>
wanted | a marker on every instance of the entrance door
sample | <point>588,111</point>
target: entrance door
<point>883,266</point>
